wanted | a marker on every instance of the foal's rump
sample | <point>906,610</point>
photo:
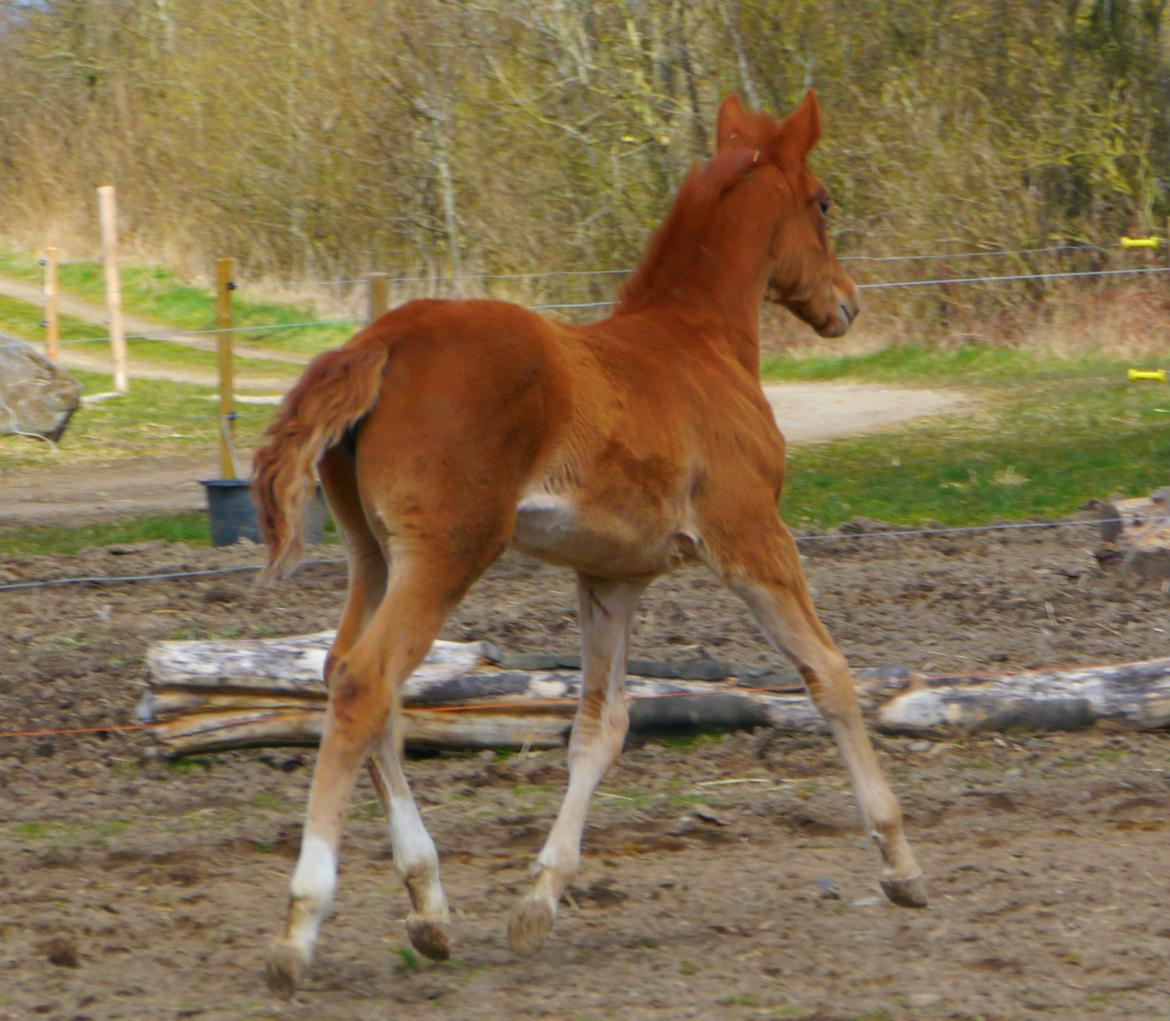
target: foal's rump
<point>442,398</point>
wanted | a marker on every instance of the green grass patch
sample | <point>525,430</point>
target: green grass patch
<point>61,540</point>
<point>163,354</point>
<point>964,367</point>
<point>1042,437</point>
<point>270,803</point>
<point>157,418</point>
<point>23,319</point>
<point>408,959</point>
<point>157,294</point>
<point>191,529</point>
<point>687,740</point>
<point>188,764</point>
<point>69,831</point>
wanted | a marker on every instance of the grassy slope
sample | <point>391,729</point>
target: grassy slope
<point>23,320</point>
<point>156,294</point>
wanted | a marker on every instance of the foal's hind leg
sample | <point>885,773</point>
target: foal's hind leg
<point>415,858</point>
<point>607,611</point>
<point>362,691</point>
<point>414,851</point>
<point>769,578</point>
<point>368,569</point>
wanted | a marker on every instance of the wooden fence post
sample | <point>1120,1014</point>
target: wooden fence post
<point>379,295</point>
<point>223,346</point>
<point>52,322</point>
<point>108,213</point>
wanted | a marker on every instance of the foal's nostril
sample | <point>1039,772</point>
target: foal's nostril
<point>846,310</point>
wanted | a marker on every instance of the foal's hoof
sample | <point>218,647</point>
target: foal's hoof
<point>906,893</point>
<point>428,937</point>
<point>529,925</point>
<point>284,970</point>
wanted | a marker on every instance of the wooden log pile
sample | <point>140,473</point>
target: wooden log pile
<point>207,696</point>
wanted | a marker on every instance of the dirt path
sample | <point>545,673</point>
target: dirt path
<point>813,412</point>
<point>86,494</point>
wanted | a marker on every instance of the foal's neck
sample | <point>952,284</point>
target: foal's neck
<point>706,267</point>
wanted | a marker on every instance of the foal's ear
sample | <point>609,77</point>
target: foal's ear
<point>732,125</point>
<point>799,131</point>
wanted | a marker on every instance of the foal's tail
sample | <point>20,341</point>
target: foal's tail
<point>336,390</point>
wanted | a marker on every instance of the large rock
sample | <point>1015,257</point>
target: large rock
<point>37,396</point>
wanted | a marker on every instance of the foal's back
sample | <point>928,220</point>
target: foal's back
<point>596,439</point>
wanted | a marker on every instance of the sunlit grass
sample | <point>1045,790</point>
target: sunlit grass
<point>64,540</point>
<point>962,367</point>
<point>157,294</point>
<point>1045,436</point>
<point>157,418</point>
<point>22,319</point>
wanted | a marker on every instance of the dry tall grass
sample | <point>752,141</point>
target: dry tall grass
<point>324,139</point>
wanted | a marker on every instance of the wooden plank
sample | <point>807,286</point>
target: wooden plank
<point>228,466</point>
<point>109,227</point>
<point>52,317</point>
<point>378,296</point>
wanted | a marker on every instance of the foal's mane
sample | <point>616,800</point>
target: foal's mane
<point>671,247</point>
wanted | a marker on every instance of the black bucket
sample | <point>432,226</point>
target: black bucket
<point>234,518</point>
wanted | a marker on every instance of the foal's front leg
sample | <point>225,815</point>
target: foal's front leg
<point>607,612</point>
<point>769,577</point>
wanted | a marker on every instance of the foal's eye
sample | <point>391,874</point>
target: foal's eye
<point>824,204</point>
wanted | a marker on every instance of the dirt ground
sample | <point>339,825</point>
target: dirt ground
<point>133,888</point>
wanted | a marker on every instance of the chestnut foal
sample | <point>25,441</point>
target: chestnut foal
<point>446,430</point>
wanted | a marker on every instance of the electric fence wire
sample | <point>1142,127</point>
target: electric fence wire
<point>938,281</point>
<point>609,303</point>
<point>178,334</point>
<point>894,532</point>
<point>548,274</point>
<point>558,306</point>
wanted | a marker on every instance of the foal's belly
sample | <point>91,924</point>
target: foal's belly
<point>551,527</point>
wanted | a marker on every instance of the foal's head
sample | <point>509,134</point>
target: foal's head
<point>803,273</point>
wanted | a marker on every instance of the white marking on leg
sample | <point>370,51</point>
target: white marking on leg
<point>415,858</point>
<point>313,884</point>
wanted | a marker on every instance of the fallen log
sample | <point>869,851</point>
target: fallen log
<point>212,695</point>
<point>1134,696</point>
